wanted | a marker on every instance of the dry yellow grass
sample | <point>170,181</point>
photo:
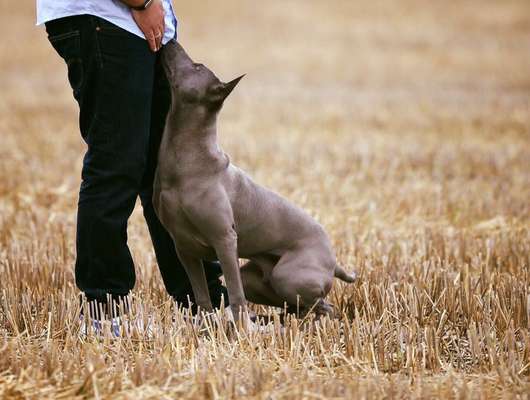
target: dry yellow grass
<point>403,126</point>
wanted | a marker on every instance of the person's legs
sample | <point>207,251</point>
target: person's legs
<point>173,274</point>
<point>111,73</point>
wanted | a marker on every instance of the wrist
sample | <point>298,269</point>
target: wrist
<point>144,6</point>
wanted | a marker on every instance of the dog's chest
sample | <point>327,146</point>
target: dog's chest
<point>181,222</point>
<point>187,235</point>
<point>183,231</point>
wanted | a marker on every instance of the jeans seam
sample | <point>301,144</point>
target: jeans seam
<point>95,29</point>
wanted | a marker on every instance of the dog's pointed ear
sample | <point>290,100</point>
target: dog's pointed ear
<point>220,91</point>
<point>231,85</point>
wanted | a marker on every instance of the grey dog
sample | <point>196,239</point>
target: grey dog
<point>214,211</point>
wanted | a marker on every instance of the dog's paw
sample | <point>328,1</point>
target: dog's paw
<point>323,308</point>
<point>247,318</point>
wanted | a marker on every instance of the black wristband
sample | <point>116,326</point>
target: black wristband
<point>143,6</point>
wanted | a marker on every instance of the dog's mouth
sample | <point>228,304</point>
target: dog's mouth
<point>174,60</point>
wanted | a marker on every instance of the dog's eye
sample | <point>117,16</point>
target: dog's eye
<point>198,67</point>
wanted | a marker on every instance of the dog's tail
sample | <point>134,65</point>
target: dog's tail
<point>343,275</point>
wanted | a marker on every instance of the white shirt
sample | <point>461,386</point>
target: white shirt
<point>113,11</point>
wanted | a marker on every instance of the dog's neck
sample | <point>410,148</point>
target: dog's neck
<point>192,126</point>
<point>192,133</point>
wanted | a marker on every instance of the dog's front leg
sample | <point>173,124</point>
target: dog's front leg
<point>211,212</point>
<point>226,250</point>
<point>195,271</point>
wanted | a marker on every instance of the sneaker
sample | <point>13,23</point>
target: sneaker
<point>117,327</point>
<point>99,327</point>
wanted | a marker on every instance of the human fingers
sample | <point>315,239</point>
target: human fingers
<point>162,25</point>
<point>151,40</point>
<point>159,34</point>
<point>162,30</point>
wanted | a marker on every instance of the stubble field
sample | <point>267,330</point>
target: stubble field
<point>402,126</point>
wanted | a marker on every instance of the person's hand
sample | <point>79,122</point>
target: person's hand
<point>151,23</point>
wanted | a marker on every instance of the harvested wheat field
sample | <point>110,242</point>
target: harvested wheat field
<point>402,126</point>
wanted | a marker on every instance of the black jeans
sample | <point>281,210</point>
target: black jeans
<point>123,97</point>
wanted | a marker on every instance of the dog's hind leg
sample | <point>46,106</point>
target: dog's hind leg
<point>300,279</point>
<point>257,289</point>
